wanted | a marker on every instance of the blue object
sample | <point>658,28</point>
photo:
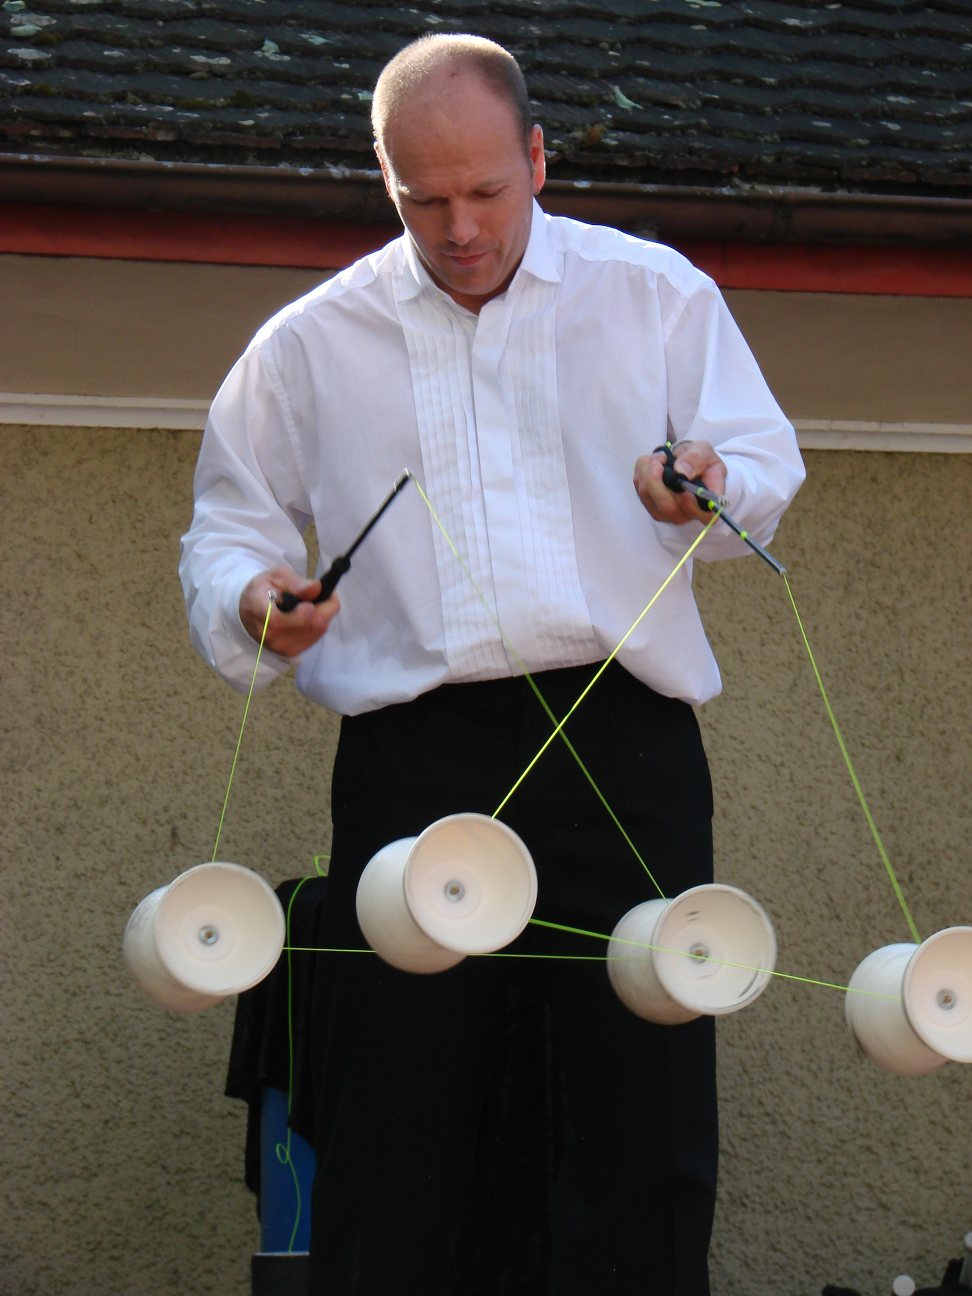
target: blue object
<point>285,1187</point>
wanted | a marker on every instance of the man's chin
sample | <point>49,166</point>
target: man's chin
<point>471,278</point>
<point>479,280</point>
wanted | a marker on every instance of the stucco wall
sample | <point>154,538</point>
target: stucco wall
<point>833,1169</point>
<point>121,1162</point>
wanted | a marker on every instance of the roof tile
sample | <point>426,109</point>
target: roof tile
<point>869,95</point>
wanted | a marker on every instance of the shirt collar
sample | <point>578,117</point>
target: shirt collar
<point>538,261</point>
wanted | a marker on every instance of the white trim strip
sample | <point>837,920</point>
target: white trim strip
<point>102,411</point>
<point>34,410</point>
<point>926,438</point>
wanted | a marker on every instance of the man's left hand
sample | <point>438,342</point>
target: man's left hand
<point>692,459</point>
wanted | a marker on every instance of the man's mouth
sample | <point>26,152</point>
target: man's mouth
<point>467,259</point>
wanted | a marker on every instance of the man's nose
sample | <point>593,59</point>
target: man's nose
<point>462,226</point>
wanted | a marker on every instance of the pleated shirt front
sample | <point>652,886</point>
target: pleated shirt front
<point>526,547</point>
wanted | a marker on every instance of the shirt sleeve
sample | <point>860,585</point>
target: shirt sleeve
<point>250,513</point>
<point>717,394</point>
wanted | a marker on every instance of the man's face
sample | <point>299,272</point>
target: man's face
<point>457,168</point>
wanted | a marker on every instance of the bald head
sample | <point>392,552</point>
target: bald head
<point>433,62</point>
<point>461,161</point>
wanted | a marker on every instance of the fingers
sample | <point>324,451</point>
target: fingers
<point>287,633</point>
<point>692,459</point>
<point>653,493</point>
<point>663,504</point>
<point>699,459</point>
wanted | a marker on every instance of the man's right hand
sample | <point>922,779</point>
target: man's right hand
<point>288,633</point>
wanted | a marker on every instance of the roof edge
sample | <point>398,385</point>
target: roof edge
<point>784,215</point>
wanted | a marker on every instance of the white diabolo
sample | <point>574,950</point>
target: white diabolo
<point>466,885</point>
<point>386,921</point>
<point>910,1006</point>
<point>708,952</point>
<point>215,931</point>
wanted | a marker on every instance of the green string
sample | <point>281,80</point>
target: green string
<point>558,730</point>
<point>630,631</point>
<point>604,958</point>
<point>853,773</point>
<point>283,1151</point>
<point>246,712</point>
<point>320,949</point>
<point>661,949</point>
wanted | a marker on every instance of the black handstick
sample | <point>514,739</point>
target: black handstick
<point>711,503</point>
<point>342,563</point>
<point>678,482</point>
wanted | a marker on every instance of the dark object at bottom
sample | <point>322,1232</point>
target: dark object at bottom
<point>951,1285</point>
<point>280,1273</point>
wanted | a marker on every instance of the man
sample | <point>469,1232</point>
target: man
<point>518,365</point>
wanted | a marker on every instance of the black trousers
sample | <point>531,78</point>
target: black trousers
<point>403,1066</point>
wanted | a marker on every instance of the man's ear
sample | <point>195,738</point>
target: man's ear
<point>538,159</point>
<point>385,170</point>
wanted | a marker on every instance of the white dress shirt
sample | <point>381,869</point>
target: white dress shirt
<point>523,424</point>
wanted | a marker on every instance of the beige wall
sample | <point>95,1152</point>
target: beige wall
<point>121,1162</point>
<point>174,330</point>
